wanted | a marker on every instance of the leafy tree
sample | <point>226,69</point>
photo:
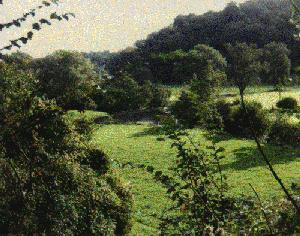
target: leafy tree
<point>67,77</point>
<point>19,59</point>
<point>244,66</point>
<point>277,64</point>
<point>119,94</point>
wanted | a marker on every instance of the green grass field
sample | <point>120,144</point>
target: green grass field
<point>242,165</point>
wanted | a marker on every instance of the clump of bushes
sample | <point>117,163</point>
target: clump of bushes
<point>237,122</point>
<point>284,133</point>
<point>125,94</point>
<point>288,103</point>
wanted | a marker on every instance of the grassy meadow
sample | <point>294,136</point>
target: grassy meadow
<point>134,142</point>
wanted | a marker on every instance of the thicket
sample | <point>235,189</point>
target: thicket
<point>284,133</point>
<point>51,180</point>
<point>125,94</point>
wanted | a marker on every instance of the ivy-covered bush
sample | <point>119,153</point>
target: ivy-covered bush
<point>52,181</point>
<point>288,103</point>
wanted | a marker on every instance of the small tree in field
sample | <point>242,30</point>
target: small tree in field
<point>244,66</point>
<point>277,64</point>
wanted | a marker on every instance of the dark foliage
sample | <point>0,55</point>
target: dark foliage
<point>236,122</point>
<point>67,77</point>
<point>284,133</point>
<point>288,103</point>
<point>186,109</point>
<point>125,94</point>
<point>51,180</point>
<point>178,67</point>
<point>276,65</point>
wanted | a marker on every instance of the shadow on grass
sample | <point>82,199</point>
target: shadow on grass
<point>151,131</point>
<point>218,137</point>
<point>249,157</point>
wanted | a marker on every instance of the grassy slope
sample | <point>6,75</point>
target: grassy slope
<point>242,164</point>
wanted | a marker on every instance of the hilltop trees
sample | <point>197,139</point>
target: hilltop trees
<point>180,66</point>
<point>163,54</point>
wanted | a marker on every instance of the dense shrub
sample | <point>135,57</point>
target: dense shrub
<point>186,110</point>
<point>199,199</point>
<point>284,133</point>
<point>125,94</point>
<point>51,181</point>
<point>237,122</point>
<point>156,96</point>
<point>67,77</point>
<point>190,112</point>
<point>289,103</point>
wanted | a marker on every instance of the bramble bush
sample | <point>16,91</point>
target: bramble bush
<point>52,181</point>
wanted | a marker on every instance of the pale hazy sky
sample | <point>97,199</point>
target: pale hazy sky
<point>99,24</point>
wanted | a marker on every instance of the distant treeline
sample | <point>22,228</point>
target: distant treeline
<point>257,21</point>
